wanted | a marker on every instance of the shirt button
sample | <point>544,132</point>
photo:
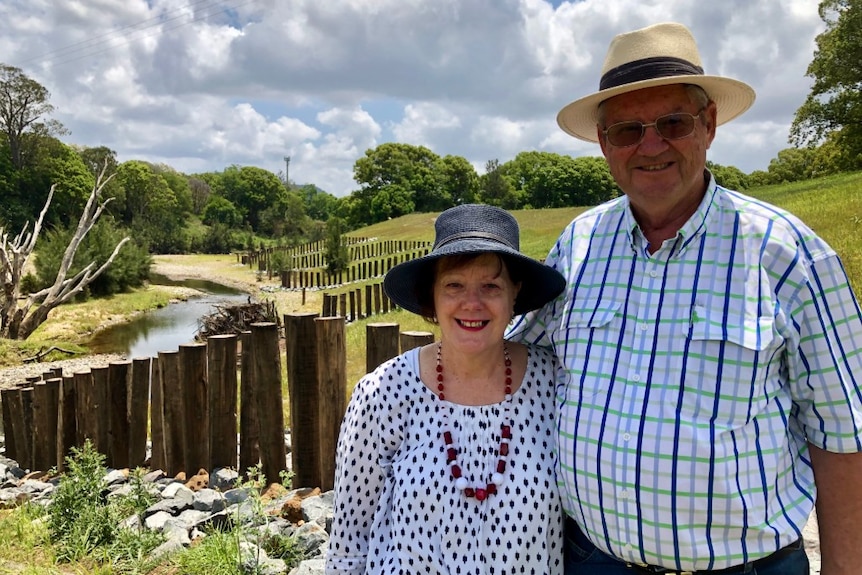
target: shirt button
<point>636,377</point>
<point>653,274</point>
<point>626,436</point>
<point>628,547</point>
<point>624,494</point>
<point>644,326</point>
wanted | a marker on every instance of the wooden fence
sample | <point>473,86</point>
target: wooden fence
<point>358,303</point>
<point>186,402</point>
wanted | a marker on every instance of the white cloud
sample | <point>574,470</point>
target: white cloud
<point>201,85</point>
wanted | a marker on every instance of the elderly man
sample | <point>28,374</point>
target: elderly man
<point>709,342</point>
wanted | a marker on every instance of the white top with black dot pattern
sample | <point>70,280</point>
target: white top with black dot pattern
<point>397,509</point>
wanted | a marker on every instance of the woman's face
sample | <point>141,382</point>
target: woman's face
<point>473,302</point>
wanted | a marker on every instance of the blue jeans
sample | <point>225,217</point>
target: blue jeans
<point>583,558</point>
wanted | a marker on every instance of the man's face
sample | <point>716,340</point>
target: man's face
<point>662,178</point>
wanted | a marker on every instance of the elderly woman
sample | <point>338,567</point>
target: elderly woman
<point>446,453</point>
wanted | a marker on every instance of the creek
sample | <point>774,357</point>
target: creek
<point>165,329</point>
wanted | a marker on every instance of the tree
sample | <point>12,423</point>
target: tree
<point>397,179</point>
<point>730,177</point>
<point>835,101</point>
<point>495,188</point>
<point>23,107</point>
<point>459,181</point>
<point>252,190</point>
<point>337,255</point>
<point>19,321</point>
<point>153,210</point>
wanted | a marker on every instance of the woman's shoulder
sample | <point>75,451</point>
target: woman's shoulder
<point>395,372</point>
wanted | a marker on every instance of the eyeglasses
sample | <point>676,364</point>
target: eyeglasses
<point>669,127</point>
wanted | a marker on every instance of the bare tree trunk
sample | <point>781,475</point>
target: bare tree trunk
<point>19,321</point>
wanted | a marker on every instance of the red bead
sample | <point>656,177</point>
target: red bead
<point>508,381</point>
<point>440,387</point>
<point>451,455</point>
<point>501,466</point>
<point>506,432</point>
<point>440,377</point>
<point>439,369</point>
<point>504,449</point>
<point>481,494</point>
<point>469,492</point>
<point>447,437</point>
<point>456,471</point>
<point>441,396</point>
<point>492,488</point>
<point>508,361</point>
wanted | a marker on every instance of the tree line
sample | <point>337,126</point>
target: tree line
<point>165,211</point>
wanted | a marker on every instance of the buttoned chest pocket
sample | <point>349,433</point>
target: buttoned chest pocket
<point>730,369</point>
<point>590,348</point>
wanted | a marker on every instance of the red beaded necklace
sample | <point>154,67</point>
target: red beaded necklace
<point>497,477</point>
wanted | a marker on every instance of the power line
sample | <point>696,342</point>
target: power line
<point>111,40</point>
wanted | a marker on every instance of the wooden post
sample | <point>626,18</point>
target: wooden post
<point>84,407</point>
<point>353,316</point>
<point>270,409</point>
<point>67,427</point>
<point>332,383</point>
<point>342,302</point>
<point>249,423</point>
<point>21,408</point>
<point>221,376</point>
<point>136,410</point>
<point>158,459</point>
<point>8,435</point>
<point>119,374</point>
<point>301,344</point>
<point>369,307</point>
<point>46,400</point>
<point>98,418</point>
<point>174,416</point>
<point>381,344</point>
<point>193,375</point>
<point>411,339</point>
<point>376,299</point>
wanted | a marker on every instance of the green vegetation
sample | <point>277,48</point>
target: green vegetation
<point>80,530</point>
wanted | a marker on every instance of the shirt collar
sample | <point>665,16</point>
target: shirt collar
<point>691,229</point>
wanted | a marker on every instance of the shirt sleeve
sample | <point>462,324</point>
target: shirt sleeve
<point>826,366</point>
<point>535,327</point>
<point>359,480</point>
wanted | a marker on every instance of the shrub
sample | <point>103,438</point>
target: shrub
<point>129,269</point>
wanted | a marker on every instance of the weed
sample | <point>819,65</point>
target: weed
<point>83,522</point>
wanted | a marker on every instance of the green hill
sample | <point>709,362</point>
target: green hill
<point>832,206</point>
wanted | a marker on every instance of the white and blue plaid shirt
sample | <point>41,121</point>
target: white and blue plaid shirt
<point>692,379</point>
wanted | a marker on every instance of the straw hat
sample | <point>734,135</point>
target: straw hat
<point>657,55</point>
<point>476,229</point>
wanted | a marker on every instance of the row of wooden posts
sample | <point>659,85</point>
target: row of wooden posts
<point>357,271</point>
<point>313,254</point>
<point>205,405</point>
<point>350,306</point>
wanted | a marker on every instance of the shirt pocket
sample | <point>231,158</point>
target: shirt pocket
<point>729,371</point>
<point>589,343</point>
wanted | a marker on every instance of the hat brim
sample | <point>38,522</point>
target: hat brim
<point>540,285</point>
<point>732,98</point>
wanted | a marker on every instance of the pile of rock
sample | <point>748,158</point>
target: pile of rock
<point>185,509</point>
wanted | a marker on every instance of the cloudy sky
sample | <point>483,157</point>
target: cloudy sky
<point>202,84</point>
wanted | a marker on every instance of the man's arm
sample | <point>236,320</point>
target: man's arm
<point>839,510</point>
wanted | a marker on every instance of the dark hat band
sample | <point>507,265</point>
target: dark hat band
<point>475,235</point>
<point>648,69</point>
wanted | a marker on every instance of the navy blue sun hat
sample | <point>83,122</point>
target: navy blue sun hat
<point>476,229</point>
